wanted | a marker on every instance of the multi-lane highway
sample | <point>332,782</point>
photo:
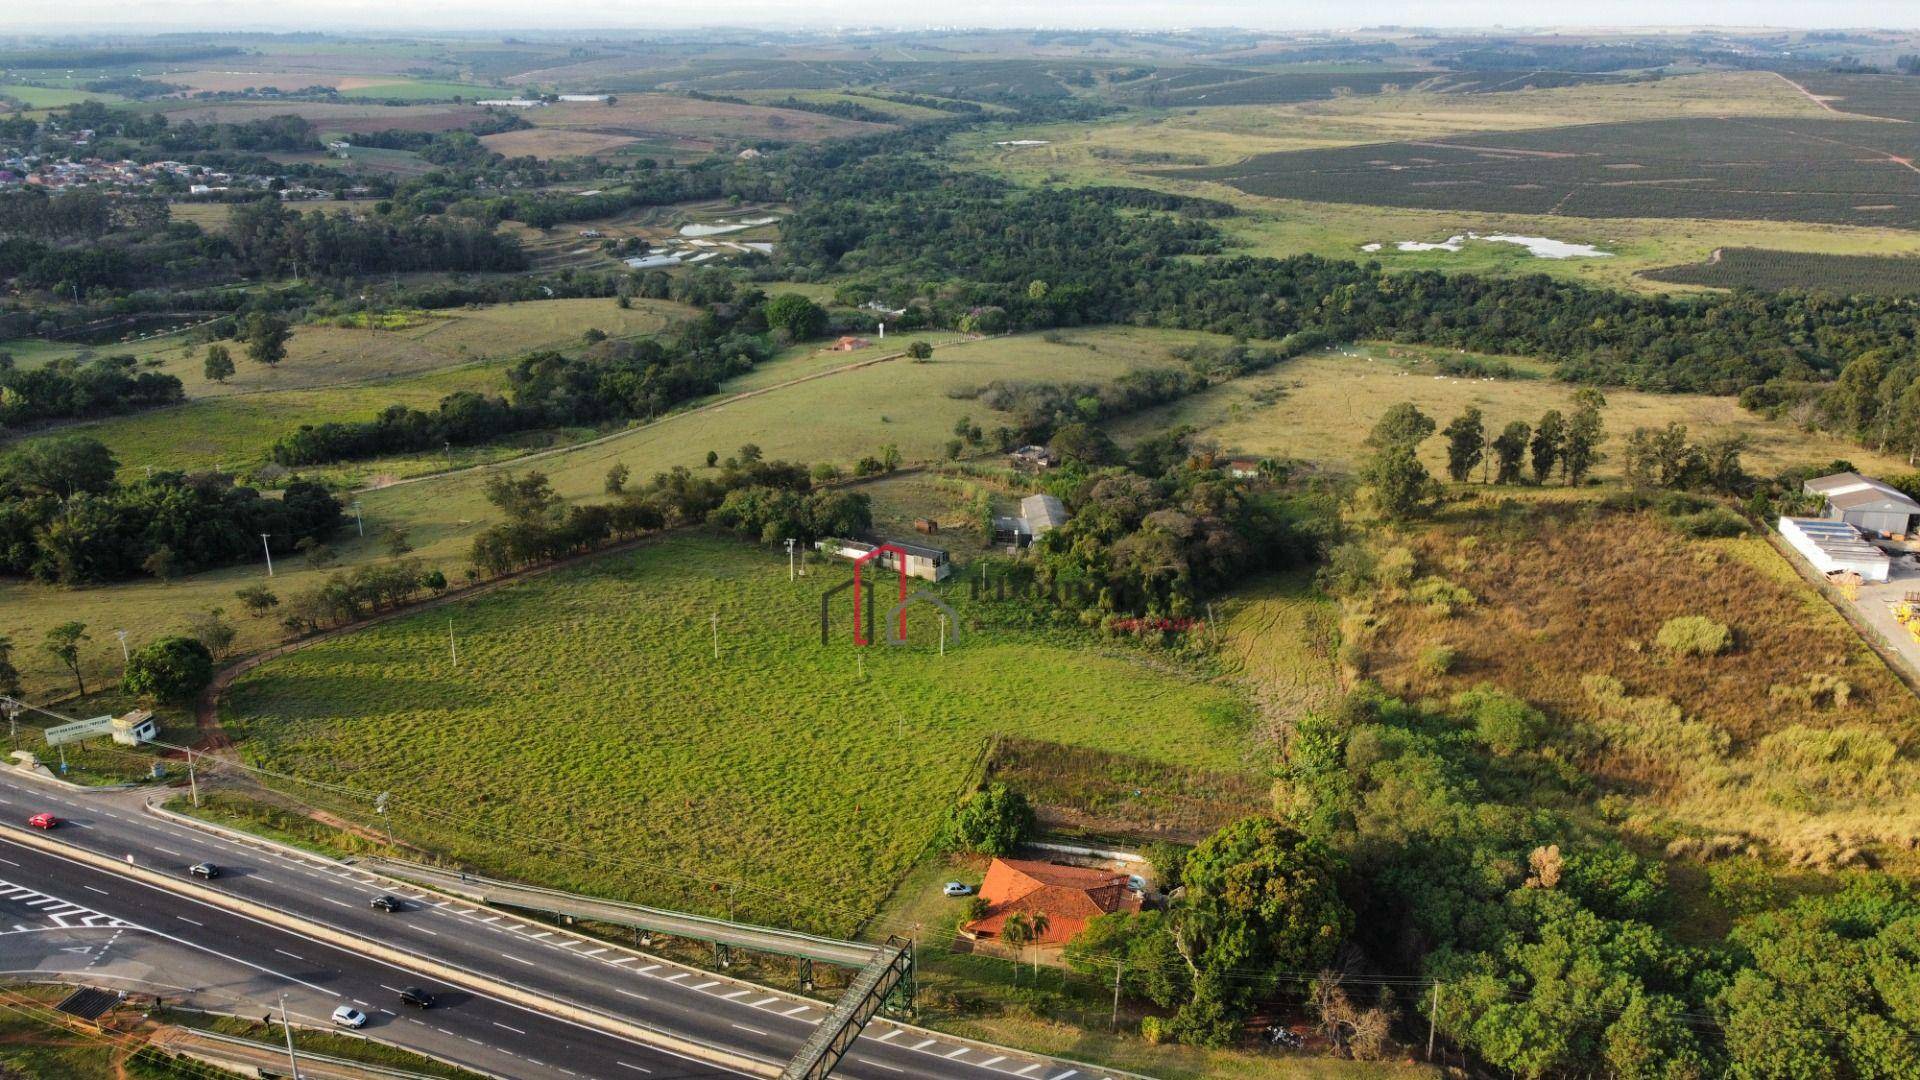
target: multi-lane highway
<point>254,961</point>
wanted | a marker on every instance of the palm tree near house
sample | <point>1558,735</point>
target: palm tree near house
<point>1037,928</point>
<point>1016,931</point>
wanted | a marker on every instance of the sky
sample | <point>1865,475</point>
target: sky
<point>145,16</point>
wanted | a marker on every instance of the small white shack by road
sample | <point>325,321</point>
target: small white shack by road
<point>1834,547</point>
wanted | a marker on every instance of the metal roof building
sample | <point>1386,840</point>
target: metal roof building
<point>1836,546</point>
<point>1859,500</point>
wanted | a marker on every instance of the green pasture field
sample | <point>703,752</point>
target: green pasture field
<point>837,418</point>
<point>1319,409</point>
<point>42,97</point>
<point>619,754</point>
<point>233,432</point>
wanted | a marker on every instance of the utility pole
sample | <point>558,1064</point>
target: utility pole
<point>124,658</point>
<point>380,807</point>
<point>943,633</point>
<point>789,558</point>
<point>716,635</point>
<point>12,709</point>
<point>193,782</point>
<point>1117,969</point>
<point>1433,1018</point>
<point>268,548</point>
<point>453,647</point>
<point>358,524</point>
<point>292,1061</point>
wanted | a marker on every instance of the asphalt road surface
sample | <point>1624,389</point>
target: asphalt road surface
<point>234,957</point>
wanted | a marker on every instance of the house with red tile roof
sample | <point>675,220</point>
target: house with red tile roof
<point>1068,895</point>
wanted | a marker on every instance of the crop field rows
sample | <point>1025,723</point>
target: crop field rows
<point>1760,268</point>
<point>1834,171</point>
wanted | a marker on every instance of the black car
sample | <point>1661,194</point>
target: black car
<point>384,902</point>
<point>416,997</point>
<point>204,870</point>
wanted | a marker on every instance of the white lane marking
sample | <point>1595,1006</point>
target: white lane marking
<point>429,933</point>
<point>675,977</point>
<point>296,956</point>
<point>649,967</point>
<point>1069,1072</point>
<point>748,1030</point>
<point>891,1032</point>
<point>992,1061</point>
<point>764,1002</point>
<point>518,960</point>
<point>796,1010</point>
<point>709,982</point>
<point>184,919</point>
<point>544,934</point>
<point>263,881</point>
<point>102,892</point>
<point>622,960</point>
<point>170,851</point>
<point>336,903</point>
<point>389,989</point>
<point>880,1065</point>
<point>631,994</point>
<point>593,952</point>
<point>1028,1069</point>
<point>956,1053</point>
<point>630,1065</point>
<point>735,994</point>
<point>923,1044</point>
<point>504,1027</point>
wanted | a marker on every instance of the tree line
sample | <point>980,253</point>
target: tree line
<point>610,381</point>
<point>73,387</point>
<point>894,221</point>
<point>66,518</point>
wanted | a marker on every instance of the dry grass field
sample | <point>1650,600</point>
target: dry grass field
<point>550,143</point>
<point>709,122</point>
<point>1797,735</point>
<point>1319,409</point>
<point>333,116</point>
<point>330,355</point>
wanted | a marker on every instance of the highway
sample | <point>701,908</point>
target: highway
<point>254,961</point>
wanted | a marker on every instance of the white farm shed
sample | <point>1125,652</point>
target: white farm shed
<point>1836,546</point>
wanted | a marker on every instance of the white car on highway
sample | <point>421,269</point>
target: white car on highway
<point>349,1017</point>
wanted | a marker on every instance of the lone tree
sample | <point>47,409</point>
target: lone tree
<point>920,350</point>
<point>1466,444</point>
<point>267,338</point>
<point>800,317</point>
<point>171,669</point>
<point>1402,425</point>
<point>1401,485</point>
<point>63,644</point>
<point>1261,899</point>
<point>258,600</point>
<point>219,365</point>
<point>1549,439</point>
<point>992,821</point>
<point>1510,452</point>
<point>1584,433</point>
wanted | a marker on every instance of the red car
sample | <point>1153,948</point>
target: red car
<point>43,821</point>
